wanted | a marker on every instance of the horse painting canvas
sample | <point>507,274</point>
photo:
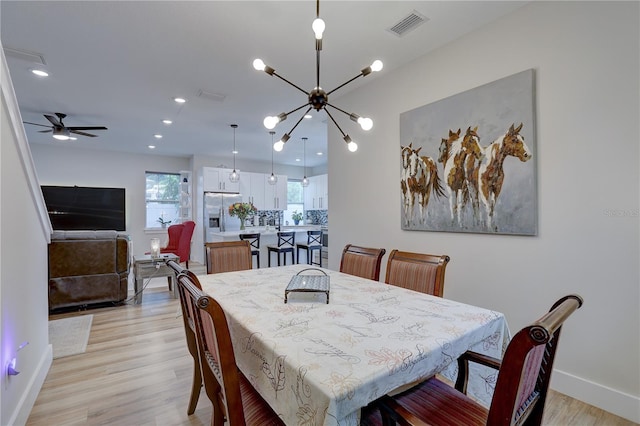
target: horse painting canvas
<point>468,161</point>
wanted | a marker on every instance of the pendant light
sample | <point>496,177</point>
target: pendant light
<point>273,179</point>
<point>305,179</point>
<point>234,176</point>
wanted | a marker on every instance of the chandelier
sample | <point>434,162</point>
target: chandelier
<point>317,98</point>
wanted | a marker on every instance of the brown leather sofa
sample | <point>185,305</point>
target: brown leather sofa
<point>87,267</point>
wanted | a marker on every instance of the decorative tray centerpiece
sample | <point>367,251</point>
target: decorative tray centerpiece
<point>308,283</point>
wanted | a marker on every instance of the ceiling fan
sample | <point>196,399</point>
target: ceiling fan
<point>62,132</point>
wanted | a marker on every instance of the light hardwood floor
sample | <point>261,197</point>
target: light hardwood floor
<point>137,371</point>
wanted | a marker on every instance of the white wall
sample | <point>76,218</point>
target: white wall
<point>585,55</point>
<point>24,233</point>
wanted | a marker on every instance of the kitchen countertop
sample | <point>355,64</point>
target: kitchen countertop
<point>262,230</point>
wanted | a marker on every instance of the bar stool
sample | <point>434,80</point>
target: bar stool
<point>286,243</point>
<point>254,240</point>
<point>314,243</point>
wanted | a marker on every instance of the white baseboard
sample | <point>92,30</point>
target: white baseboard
<point>611,400</point>
<point>23,409</point>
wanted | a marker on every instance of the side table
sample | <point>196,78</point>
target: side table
<point>145,266</point>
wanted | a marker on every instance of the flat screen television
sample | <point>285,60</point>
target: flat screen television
<point>85,208</point>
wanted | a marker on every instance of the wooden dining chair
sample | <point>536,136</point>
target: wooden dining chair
<point>313,243</point>
<point>362,261</point>
<point>254,240</point>
<point>417,271</point>
<point>286,244</point>
<point>235,401</point>
<point>228,256</point>
<point>521,387</point>
<point>190,334</point>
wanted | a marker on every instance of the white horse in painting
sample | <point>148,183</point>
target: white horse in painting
<point>489,175</point>
<point>419,179</point>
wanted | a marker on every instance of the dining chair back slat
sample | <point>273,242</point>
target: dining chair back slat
<point>228,256</point>
<point>417,271</point>
<point>362,261</point>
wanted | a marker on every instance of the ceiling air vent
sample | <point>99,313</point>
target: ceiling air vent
<point>408,23</point>
<point>25,55</point>
<point>216,97</point>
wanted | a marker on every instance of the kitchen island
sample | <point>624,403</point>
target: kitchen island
<point>267,237</point>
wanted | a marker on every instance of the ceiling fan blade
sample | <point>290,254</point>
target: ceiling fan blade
<point>77,132</point>
<point>53,120</point>
<point>35,124</point>
<point>45,131</point>
<point>71,129</point>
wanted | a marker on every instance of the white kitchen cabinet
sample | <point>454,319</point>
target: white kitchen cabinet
<point>252,189</point>
<point>275,196</point>
<point>316,195</point>
<point>217,180</point>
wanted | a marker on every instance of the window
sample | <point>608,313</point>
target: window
<point>295,200</point>
<point>162,198</point>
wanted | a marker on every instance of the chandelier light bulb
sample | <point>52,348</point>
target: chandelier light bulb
<point>318,27</point>
<point>259,65</point>
<point>365,123</point>
<point>273,179</point>
<point>376,65</point>
<point>270,122</point>
<point>305,181</point>
<point>234,176</point>
<point>278,146</point>
<point>353,147</point>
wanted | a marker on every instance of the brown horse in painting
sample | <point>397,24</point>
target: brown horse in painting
<point>489,175</point>
<point>455,155</point>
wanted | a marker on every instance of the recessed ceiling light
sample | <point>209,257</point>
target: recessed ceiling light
<point>157,136</point>
<point>297,159</point>
<point>167,122</point>
<point>152,146</point>
<point>40,73</point>
<point>180,100</point>
<point>319,153</point>
<point>234,151</point>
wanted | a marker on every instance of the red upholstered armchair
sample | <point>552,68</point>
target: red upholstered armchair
<point>180,240</point>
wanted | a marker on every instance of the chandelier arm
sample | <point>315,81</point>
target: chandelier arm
<point>344,84</point>
<point>296,109</point>
<point>335,122</point>
<point>339,109</point>
<point>298,122</point>
<point>287,81</point>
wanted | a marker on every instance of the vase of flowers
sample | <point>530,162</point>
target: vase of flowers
<point>241,211</point>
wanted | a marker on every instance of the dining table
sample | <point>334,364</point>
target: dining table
<point>321,356</point>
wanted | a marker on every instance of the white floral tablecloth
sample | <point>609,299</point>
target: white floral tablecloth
<point>318,363</point>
